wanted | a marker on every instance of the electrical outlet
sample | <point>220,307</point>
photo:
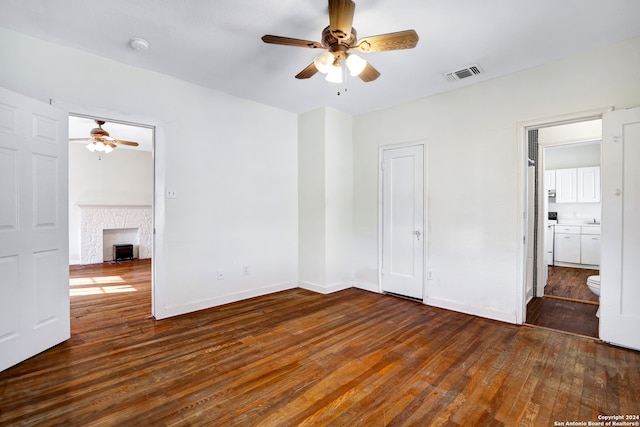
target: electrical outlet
<point>245,270</point>
<point>220,275</point>
<point>429,274</point>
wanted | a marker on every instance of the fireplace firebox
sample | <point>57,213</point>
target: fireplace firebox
<point>122,252</point>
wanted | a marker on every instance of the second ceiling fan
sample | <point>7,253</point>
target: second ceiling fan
<point>99,140</point>
<point>339,38</point>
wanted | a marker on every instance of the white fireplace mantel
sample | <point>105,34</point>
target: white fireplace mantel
<point>94,219</point>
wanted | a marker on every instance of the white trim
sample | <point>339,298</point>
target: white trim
<point>324,289</point>
<point>473,310</point>
<point>82,206</point>
<point>170,311</point>
<point>378,288</point>
<point>523,151</point>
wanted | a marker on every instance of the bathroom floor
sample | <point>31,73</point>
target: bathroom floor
<point>562,315</point>
<point>568,305</point>
<point>571,283</point>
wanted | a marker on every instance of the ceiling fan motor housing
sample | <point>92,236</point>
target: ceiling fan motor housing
<point>338,46</point>
<point>99,132</point>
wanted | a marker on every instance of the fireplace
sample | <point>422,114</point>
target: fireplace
<point>103,226</point>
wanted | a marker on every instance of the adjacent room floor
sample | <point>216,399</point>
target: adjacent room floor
<point>568,305</point>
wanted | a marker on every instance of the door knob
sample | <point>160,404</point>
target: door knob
<point>418,234</point>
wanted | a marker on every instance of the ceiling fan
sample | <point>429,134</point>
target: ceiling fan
<point>101,141</point>
<point>339,38</point>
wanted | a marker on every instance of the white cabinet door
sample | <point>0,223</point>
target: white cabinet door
<point>567,248</point>
<point>590,249</point>
<point>589,185</point>
<point>566,186</point>
<point>550,180</point>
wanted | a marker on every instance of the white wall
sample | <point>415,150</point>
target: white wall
<point>572,156</point>
<point>584,131</point>
<point>234,165</point>
<point>311,197</point>
<point>122,177</point>
<point>325,186</point>
<point>476,171</point>
<point>232,162</point>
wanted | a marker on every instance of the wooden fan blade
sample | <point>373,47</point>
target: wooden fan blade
<point>369,73</point>
<point>393,41</point>
<point>121,142</point>
<point>288,41</point>
<point>307,72</point>
<point>341,17</point>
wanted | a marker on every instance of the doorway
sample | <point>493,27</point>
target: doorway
<point>564,212</point>
<point>111,195</point>
<point>402,221</point>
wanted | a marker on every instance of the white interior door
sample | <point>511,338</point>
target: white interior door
<point>34,248</point>
<point>620,266</point>
<point>403,221</point>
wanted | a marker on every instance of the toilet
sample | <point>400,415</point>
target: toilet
<point>593,282</point>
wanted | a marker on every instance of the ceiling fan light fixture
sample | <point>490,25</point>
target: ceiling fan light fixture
<point>99,145</point>
<point>108,148</point>
<point>335,74</point>
<point>355,64</point>
<point>91,147</point>
<point>324,61</point>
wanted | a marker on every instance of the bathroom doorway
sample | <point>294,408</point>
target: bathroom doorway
<point>564,225</point>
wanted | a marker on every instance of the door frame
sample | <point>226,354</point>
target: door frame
<point>158,275</point>
<point>523,204</point>
<point>425,234</point>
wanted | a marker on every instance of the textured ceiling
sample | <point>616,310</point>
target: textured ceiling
<point>216,43</point>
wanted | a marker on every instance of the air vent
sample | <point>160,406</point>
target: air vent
<point>463,73</point>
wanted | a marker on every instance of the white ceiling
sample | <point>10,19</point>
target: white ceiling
<point>216,43</point>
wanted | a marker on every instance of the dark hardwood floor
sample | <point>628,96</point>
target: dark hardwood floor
<point>568,304</point>
<point>562,315</point>
<point>351,358</point>
<point>570,283</point>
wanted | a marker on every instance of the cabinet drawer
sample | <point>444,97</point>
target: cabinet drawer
<point>568,229</point>
<point>591,230</point>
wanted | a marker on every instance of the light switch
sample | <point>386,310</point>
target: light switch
<point>171,193</point>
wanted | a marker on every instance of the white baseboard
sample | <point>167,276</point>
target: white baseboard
<point>189,307</point>
<point>324,289</point>
<point>371,287</point>
<point>470,309</point>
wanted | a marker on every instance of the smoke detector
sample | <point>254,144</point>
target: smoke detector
<point>138,43</point>
<point>463,73</point>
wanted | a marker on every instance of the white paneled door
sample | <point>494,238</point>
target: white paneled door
<point>620,258</point>
<point>403,221</point>
<point>34,248</point>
